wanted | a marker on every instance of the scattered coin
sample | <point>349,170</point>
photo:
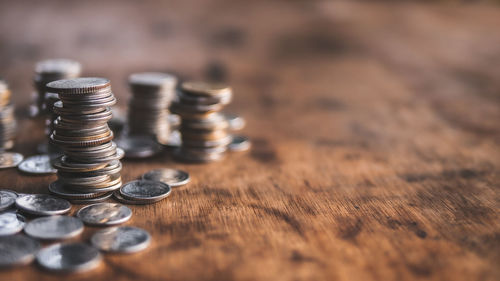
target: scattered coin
<point>69,257</point>
<point>144,190</point>
<point>122,239</point>
<point>54,227</point>
<point>17,250</point>
<point>138,146</point>
<point>239,143</point>
<point>7,199</point>
<point>171,177</point>
<point>38,164</point>
<point>236,122</point>
<point>11,223</point>
<point>10,159</point>
<point>42,205</point>
<point>104,214</point>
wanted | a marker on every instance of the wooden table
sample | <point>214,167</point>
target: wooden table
<point>375,130</point>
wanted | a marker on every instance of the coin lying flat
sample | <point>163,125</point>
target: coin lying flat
<point>104,214</point>
<point>17,250</point>
<point>122,239</point>
<point>10,159</point>
<point>117,195</point>
<point>42,205</point>
<point>239,143</point>
<point>11,223</point>
<point>38,164</point>
<point>144,190</point>
<point>7,199</point>
<point>54,227</point>
<point>69,257</point>
<point>171,177</point>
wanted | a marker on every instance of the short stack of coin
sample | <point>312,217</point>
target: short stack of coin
<point>7,121</point>
<point>148,113</point>
<point>90,167</point>
<point>204,131</point>
<point>51,70</point>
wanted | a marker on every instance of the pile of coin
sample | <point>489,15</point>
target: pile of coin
<point>8,123</point>
<point>90,168</point>
<point>148,113</point>
<point>204,130</point>
<point>51,70</point>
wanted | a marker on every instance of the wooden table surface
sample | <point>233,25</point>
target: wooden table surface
<point>375,130</point>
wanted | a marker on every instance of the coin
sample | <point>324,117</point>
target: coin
<point>171,177</point>
<point>75,86</point>
<point>38,164</point>
<point>239,143</point>
<point>117,195</point>
<point>42,205</point>
<point>54,227</point>
<point>104,214</point>
<point>94,200</point>
<point>17,250</point>
<point>7,199</point>
<point>138,146</point>
<point>122,239</point>
<point>10,159</point>
<point>11,223</point>
<point>144,190</point>
<point>236,122</point>
<point>60,190</point>
<point>69,257</point>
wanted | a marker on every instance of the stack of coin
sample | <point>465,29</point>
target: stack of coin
<point>152,94</point>
<point>90,167</point>
<point>51,70</point>
<point>7,121</point>
<point>204,131</point>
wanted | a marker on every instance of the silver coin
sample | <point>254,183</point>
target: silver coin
<point>104,214</point>
<point>94,200</point>
<point>153,79</point>
<point>7,199</point>
<point>69,257</point>
<point>138,146</point>
<point>42,204</point>
<point>145,190</point>
<point>236,122</point>
<point>239,143</point>
<point>11,223</point>
<point>38,164</point>
<point>122,239</point>
<point>171,177</point>
<point>81,85</point>
<point>17,250</point>
<point>54,227</point>
<point>117,195</point>
<point>10,159</point>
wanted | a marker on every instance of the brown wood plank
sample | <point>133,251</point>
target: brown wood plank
<point>375,131</point>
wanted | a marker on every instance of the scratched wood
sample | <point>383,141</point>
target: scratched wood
<point>375,130</point>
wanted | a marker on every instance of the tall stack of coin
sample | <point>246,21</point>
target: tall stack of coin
<point>90,166</point>
<point>152,94</point>
<point>204,131</point>
<point>51,70</point>
<point>7,121</point>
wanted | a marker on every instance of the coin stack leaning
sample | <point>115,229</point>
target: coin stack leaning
<point>152,93</point>
<point>90,167</point>
<point>51,70</point>
<point>204,131</point>
<point>8,123</point>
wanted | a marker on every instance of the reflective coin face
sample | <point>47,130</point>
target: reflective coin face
<point>104,214</point>
<point>145,190</point>
<point>236,122</point>
<point>157,79</point>
<point>123,239</point>
<point>7,199</point>
<point>17,250</point>
<point>239,143</point>
<point>38,164</point>
<point>171,177</point>
<point>78,85</point>
<point>70,257</point>
<point>42,205</point>
<point>11,223</point>
<point>10,159</point>
<point>54,227</point>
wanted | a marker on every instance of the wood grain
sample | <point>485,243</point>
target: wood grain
<point>375,130</point>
